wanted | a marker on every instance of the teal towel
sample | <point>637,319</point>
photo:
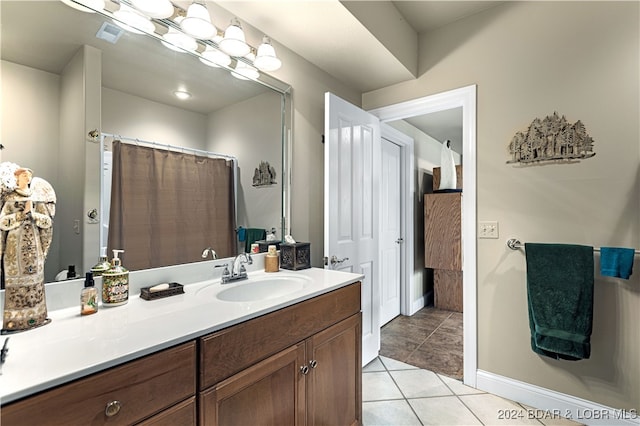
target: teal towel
<point>560,297</point>
<point>242,234</point>
<point>252,235</point>
<point>616,262</point>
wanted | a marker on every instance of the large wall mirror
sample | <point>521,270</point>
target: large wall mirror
<point>49,53</point>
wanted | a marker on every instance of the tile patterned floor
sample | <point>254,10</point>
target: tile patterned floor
<point>396,394</point>
<point>430,339</point>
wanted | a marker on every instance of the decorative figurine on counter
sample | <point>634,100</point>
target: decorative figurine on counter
<point>26,230</point>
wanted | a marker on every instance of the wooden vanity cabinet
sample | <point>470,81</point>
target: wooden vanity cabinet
<point>300,365</point>
<point>159,388</point>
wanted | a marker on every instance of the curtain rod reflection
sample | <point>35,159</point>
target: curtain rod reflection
<point>138,141</point>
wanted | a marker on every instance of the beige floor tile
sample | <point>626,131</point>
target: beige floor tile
<point>378,386</point>
<point>420,383</point>
<point>458,387</point>
<point>447,410</point>
<point>388,413</point>
<point>493,410</point>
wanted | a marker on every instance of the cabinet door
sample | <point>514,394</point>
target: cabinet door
<point>334,382</point>
<point>271,392</point>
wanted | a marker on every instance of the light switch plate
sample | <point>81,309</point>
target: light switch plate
<point>488,229</point>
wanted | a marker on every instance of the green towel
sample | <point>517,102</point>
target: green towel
<point>560,297</point>
<point>252,235</point>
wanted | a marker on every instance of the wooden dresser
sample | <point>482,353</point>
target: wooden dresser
<point>443,243</point>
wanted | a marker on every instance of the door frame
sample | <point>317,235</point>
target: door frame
<point>405,143</point>
<point>464,97</point>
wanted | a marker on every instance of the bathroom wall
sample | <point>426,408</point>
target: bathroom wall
<point>309,85</point>
<point>528,60</point>
<point>135,117</point>
<point>32,141</point>
<point>252,130</point>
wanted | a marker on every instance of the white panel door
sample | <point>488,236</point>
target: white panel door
<point>390,235</point>
<point>351,206</point>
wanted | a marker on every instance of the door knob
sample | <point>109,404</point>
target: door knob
<point>399,240</point>
<point>335,261</point>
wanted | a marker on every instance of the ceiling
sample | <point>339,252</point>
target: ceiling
<point>354,39</point>
<point>349,40</point>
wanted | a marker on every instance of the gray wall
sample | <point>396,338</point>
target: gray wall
<point>528,60</point>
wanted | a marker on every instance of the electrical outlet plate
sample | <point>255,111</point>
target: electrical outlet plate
<point>488,229</point>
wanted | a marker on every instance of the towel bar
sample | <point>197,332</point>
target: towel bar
<point>515,244</point>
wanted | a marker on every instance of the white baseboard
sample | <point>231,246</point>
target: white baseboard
<point>417,304</point>
<point>552,402</point>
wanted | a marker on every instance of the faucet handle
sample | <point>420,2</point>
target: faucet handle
<point>225,271</point>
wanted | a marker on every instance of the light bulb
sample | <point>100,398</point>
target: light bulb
<point>158,9</point>
<point>214,58</point>
<point>131,20</point>
<point>244,71</point>
<point>266,59</point>
<point>197,23</point>
<point>177,41</point>
<point>233,43</point>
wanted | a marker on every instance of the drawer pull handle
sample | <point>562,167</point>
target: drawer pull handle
<point>304,369</point>
<point>313,363</point>
<point>112,408</point>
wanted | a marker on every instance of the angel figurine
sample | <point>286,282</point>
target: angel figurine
<point>26,230</point>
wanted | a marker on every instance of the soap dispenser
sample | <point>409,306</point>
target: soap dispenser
<point>115,283</point>
<point>103,264</point>
<point>88,296</point>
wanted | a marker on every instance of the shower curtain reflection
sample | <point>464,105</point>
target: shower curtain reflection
<point>167,206</point>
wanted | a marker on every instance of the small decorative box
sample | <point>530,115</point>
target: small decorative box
<point>295,256</point>
<point>174,288</point>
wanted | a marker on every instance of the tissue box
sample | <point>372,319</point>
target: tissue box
<point>295,256</point>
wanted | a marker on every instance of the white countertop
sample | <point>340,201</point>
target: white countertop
<point>74,346</point>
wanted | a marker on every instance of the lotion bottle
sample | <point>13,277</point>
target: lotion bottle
<point>115,283</point>
<point>88,296</point>
<point>103,264</point>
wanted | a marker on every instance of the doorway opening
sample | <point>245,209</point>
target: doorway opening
<point>413,298</point>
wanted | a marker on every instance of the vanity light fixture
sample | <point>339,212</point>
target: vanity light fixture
<point>177,41</point>
<point>158,9</point>
<point>132,20</point>
<point>197,23</point>
<point>91,5</point>
<point>266,59</point>
<point>244,71</point>
<point>214,57</point>
<point>233,43</point>
<point>182,94</point>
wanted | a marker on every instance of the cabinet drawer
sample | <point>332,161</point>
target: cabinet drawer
<point>140,388</point>
<point>183,414</point>
<point>233,349</point>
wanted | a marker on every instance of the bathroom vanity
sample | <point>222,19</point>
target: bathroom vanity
<point>196,358</point>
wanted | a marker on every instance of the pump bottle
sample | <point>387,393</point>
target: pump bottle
<point>115,283</point>
<point>88,296</point>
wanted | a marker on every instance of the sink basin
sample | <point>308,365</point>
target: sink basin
<point>262,288</point>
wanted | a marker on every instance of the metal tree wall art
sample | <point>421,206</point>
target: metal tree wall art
<point>551,139</point>
<point>264,175</point>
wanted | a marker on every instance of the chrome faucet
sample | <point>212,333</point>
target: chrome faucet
<point>238,271</point>
<point>208,251</point>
